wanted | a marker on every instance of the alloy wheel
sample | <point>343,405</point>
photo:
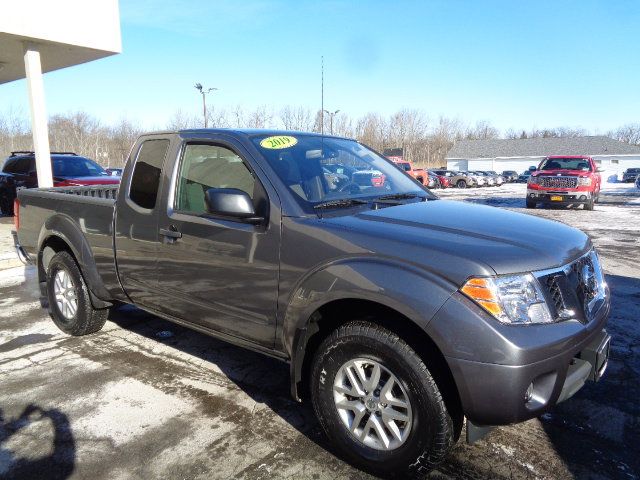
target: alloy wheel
<point>372,404</point>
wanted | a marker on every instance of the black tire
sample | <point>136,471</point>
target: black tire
<point>431,433</point>
<point>531,204</point>
<point>461,184</point>
<point>86,318</point>
<point>6,205</point>
<point>588,205</point>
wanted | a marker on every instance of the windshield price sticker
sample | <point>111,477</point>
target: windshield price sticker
<point>278,142</point>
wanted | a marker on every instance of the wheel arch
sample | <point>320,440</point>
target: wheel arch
<point>335,313</point>
<point>60,233</point>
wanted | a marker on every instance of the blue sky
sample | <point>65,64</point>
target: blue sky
<point>516,64</point>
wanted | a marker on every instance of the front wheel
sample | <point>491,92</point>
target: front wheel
<point>377,401</point>
<point>461,184</point>
<point>69,303</point>
<point>531,204</point>
<point>589,205</point>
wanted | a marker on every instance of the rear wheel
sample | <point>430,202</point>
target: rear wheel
<point>377,401</point>
<point>69,301</point>
<point>461,184</point>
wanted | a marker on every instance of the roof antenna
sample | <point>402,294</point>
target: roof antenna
<point>322,95</point>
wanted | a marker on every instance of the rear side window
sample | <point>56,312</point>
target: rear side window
<point>146,174</point>
<point>19,165</point>
<point>10,166</point>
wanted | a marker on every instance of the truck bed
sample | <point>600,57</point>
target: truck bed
<point>69,212</point>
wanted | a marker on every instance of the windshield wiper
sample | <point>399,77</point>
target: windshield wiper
<point>340,203</point>
<point>399,196</point>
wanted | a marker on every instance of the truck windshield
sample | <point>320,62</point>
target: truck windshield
<point>72,166</point>
<point>566,164</point>
<point>305,164</point>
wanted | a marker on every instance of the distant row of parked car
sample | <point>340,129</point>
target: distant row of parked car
<point>477,178</point>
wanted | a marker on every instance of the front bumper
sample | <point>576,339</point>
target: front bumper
<point>503,394</point>
<point>559,197</point>
<point>22,254</point>
<point>507,374</point>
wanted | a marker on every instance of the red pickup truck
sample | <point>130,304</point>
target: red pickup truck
<point>565,179</point>
<point>418,173</point>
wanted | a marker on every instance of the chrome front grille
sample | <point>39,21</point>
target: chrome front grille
<point>577,290</point>
<point>558,182</point>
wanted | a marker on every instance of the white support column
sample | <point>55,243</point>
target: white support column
<point>39,125</point>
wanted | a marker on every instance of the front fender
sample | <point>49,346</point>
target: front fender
<point>64,227</point>
<point>411,291</point>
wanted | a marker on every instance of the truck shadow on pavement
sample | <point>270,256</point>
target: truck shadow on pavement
<point>265,380</point>
<point>597,432</point>
<point>56,461</point>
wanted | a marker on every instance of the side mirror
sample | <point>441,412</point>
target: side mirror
<point>232,203</point>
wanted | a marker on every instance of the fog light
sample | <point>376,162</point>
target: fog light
<point>529,393</point>
<point>583,197</point>
<point>532,195</point>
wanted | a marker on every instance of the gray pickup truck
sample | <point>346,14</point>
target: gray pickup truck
<point>400,314</point>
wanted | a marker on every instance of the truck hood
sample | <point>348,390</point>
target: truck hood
<point>553,173</point>
<point>461,239</point>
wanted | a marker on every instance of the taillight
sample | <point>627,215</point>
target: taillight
<point>16,214</point>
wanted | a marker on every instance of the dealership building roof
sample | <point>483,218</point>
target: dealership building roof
<point>540,147</point>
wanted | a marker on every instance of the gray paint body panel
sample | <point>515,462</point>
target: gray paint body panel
<point>412,258</point>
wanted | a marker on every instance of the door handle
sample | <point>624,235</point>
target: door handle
<point>170,232</point>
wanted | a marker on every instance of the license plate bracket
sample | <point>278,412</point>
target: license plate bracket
<point>597,354</point>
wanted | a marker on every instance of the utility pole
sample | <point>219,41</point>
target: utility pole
<point>204,92</point>
<point>331,115</point>
<point>322,95</point>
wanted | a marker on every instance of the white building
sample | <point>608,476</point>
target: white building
<point>43,35</point>
<point>519,154</point>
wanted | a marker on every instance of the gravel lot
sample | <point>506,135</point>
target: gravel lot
<point>144,398</point>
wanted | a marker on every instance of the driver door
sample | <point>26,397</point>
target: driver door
<point>219,273</point>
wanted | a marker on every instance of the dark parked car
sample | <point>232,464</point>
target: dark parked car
<point>510,175</point>
<point>638,181</point>
<point>630,175</point>
<point>399,314</point>
<point>69,169</point>
<point>524,176</point>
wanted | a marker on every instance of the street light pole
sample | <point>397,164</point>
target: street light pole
<point>204,92</point>
<point>331,115</point>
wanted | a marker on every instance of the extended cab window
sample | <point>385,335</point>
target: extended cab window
<point>146,174</point>
<point>209,166</point>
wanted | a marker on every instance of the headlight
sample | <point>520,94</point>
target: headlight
<point>512,299</point>
<point>584,181</point>
<point>533,180</point>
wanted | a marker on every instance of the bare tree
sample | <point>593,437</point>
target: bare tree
<point>629,133</point>
<point>296,118</point>
<point>483,130</point>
